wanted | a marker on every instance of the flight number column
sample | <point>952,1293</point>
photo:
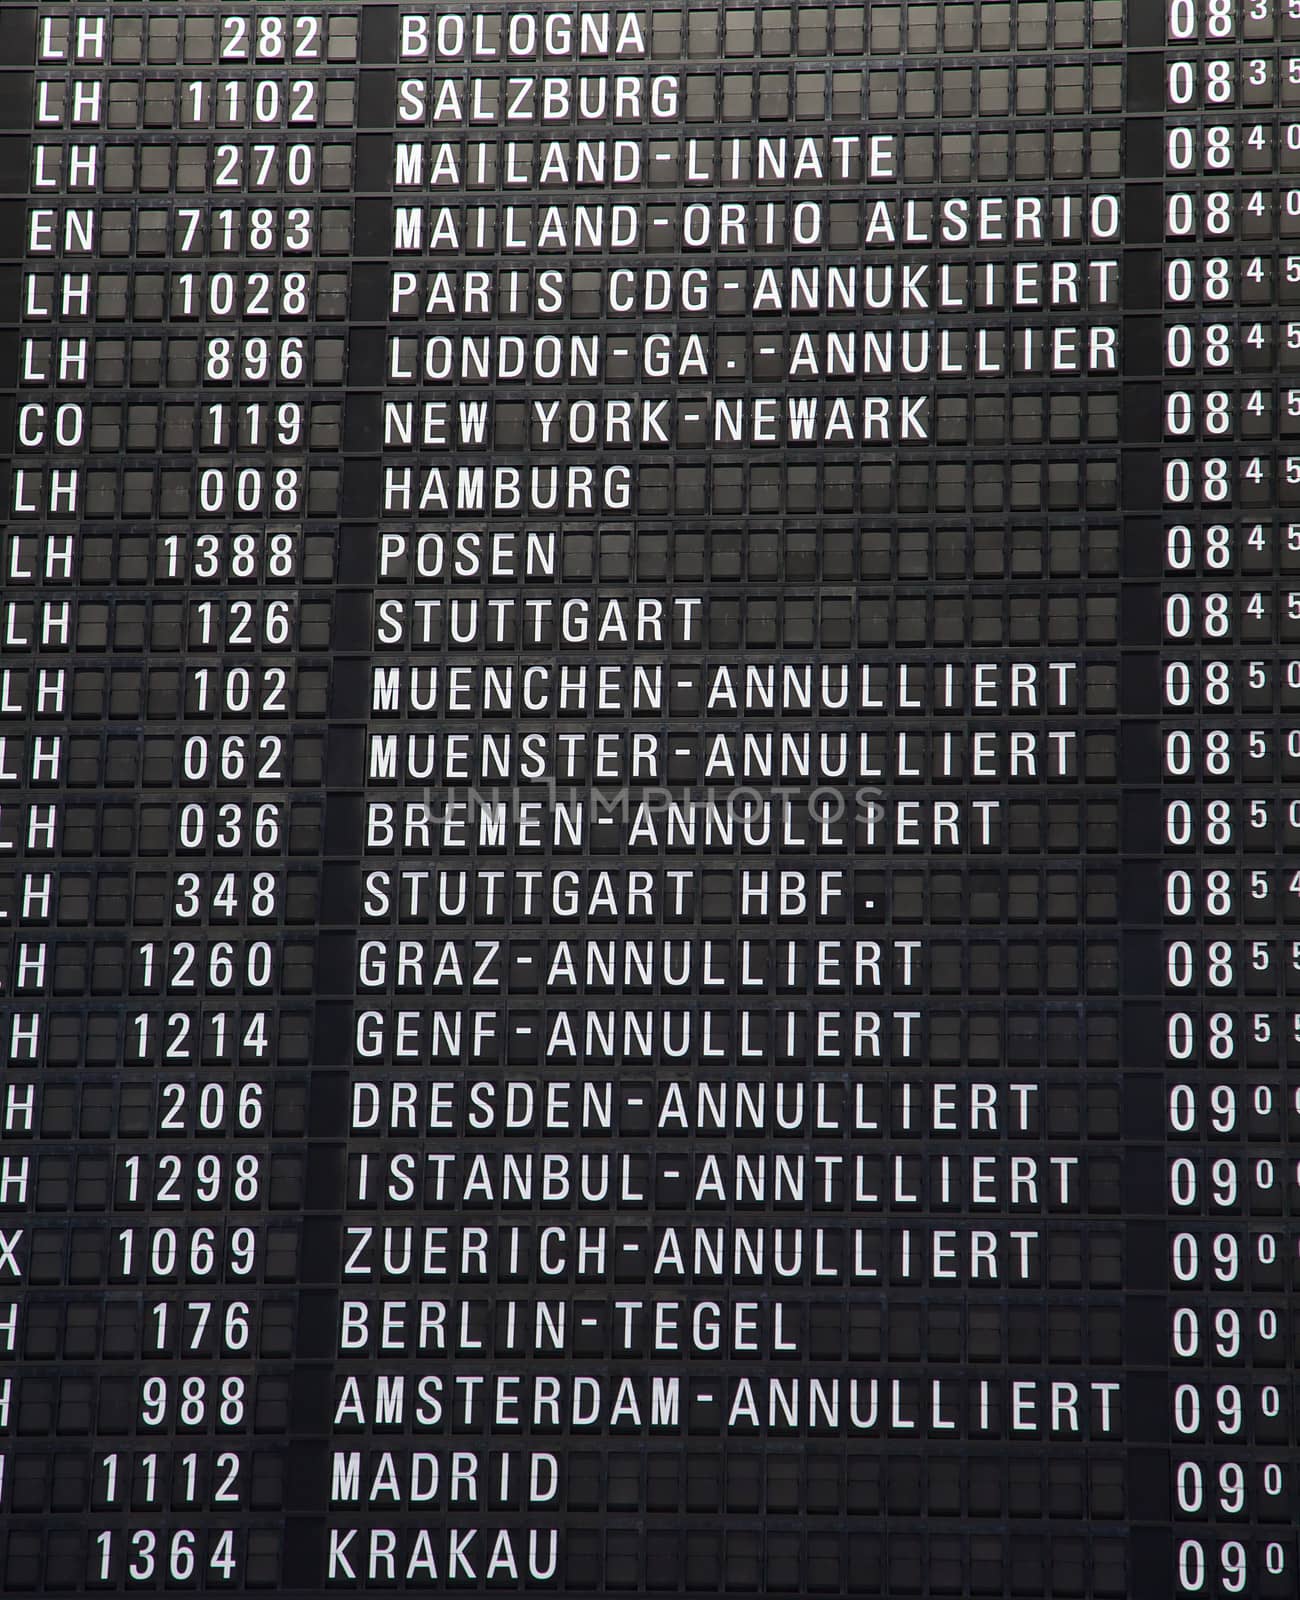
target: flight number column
<point>257,290</point>
<point>173,491</point>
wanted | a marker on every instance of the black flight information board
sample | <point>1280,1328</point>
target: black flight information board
<point>650,797</point>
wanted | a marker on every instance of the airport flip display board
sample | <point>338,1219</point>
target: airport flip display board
<point>650,798</point>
